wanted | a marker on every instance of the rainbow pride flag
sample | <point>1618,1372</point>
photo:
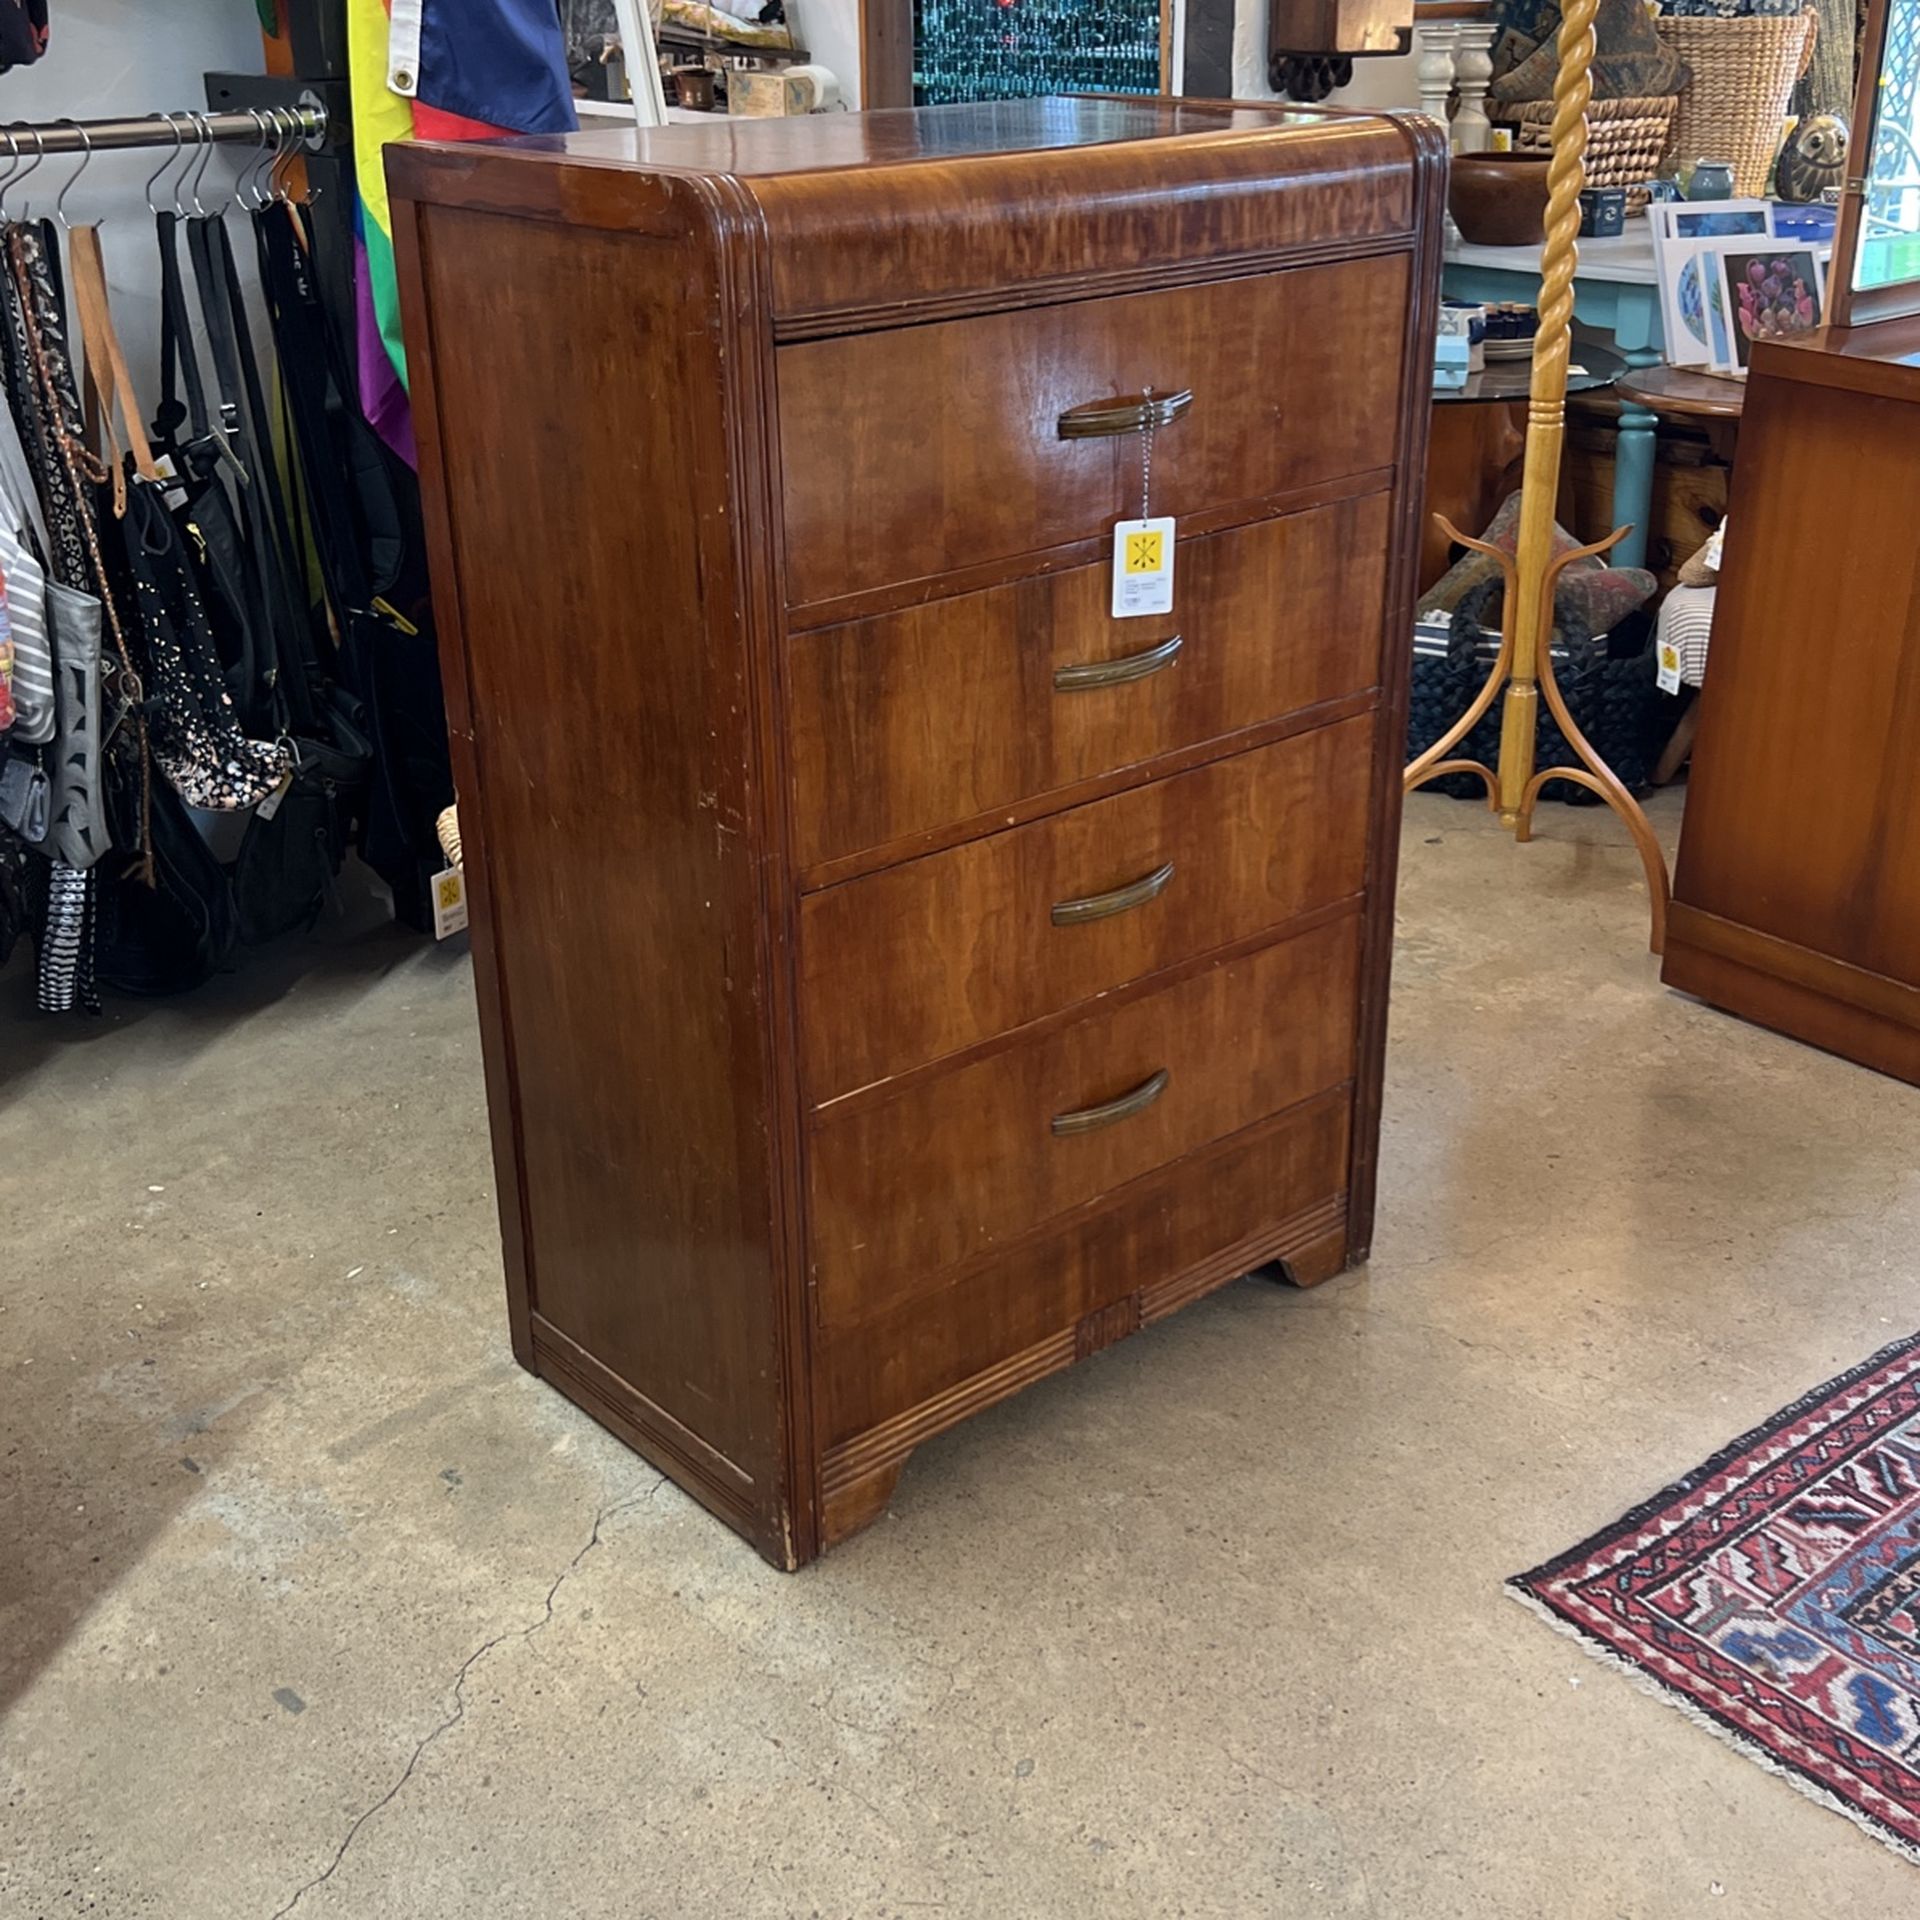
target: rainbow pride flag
<point>435,70</point>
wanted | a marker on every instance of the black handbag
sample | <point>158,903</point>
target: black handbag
<point>178,932</point>
<point>1608,682</point>
<point>290,672</point>
<point>366,539</point>
<point>293,846</point>
<point>203,465</point>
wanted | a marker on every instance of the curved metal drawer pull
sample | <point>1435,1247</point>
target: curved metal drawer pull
<point>1098,419</point>
<point>1103,906</point>
<point>1116,673</point>
<point>1091,1119</point>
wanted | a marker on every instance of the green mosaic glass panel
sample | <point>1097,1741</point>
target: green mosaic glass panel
<point>1019,49</point>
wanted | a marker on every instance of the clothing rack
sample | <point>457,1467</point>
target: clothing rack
<point>217,667</point>
<point>309,121</point>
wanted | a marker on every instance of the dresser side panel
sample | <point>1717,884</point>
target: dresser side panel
<point>1803,809</point>
<point>1426,144</point>
<point>601,686</point>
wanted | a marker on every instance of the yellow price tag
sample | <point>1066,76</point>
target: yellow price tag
<point>1143,553</point>
<point>449,902</point>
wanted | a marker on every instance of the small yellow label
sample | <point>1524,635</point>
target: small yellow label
<point>449,902</point>
<point>1143,556</point>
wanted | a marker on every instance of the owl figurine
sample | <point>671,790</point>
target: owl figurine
<point>1814,158</point>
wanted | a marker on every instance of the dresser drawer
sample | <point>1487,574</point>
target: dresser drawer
<point>916,452</point>
<point>901,967</point>
<point>975,704</point>
<point>1275,1188</point>
<point>956,1161</point>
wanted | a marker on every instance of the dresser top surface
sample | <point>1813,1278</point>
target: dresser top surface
<point>887,217</point>
<point>1880,359</point>
<point>829,142</point>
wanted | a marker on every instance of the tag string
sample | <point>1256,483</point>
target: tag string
<point>1146,459</point>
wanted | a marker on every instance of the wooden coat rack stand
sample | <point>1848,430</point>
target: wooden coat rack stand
<point>1524,665</point>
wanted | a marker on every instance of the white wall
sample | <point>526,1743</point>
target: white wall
<point>112,58</point>
<point>830,31</point>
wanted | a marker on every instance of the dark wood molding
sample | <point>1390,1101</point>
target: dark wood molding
<point>1845,307</point>
<point>886,53</point>
<point>1428,158</point>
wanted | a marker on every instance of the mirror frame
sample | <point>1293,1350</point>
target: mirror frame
<point>1847,305</point>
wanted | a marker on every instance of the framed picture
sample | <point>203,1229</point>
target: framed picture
<point>1709,220</point>
<point>1771,293</point>
<point>1693,308</point>
<point>1693,303</point>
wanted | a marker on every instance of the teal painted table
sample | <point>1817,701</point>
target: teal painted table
<point>1617,288</point>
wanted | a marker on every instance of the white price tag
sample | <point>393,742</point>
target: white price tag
<point>271,804</point>
<point>449,902</point>
<point>1142,568</point>
<point>1668,679</point>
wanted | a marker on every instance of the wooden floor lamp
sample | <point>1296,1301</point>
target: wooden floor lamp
<point>1524,666</point>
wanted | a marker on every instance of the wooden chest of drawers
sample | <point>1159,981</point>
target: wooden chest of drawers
<point>899,977</point>
<point>1796,901</point>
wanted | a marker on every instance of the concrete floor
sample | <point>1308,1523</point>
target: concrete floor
<point>311,1602</point>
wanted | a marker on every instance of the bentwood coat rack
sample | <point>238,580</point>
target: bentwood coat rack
<point>1523,669</point>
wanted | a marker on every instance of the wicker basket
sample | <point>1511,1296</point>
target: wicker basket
<point>1743,73</point>
<point>1614,699</point>
<point>1625,139</point>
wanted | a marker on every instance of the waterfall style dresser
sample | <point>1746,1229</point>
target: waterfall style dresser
<point>900,977</point>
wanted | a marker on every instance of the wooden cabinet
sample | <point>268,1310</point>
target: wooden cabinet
<point>1797,895</point>
<point>899,977</point>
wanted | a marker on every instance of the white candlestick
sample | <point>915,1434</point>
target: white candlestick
<point>1435,69</point>
<point>1434,72</point>
<point>1473,69</point>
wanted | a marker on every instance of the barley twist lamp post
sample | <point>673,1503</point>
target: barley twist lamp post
<point>1524,666</point>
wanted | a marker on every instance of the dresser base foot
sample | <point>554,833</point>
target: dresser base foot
<point>1309,1267</point>
<point>1278,1273</point>
<point>857,1505</point>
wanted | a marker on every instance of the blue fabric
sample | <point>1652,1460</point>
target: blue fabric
<point>501,61</point>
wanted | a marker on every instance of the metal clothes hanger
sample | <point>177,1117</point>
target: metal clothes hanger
<point>289,155</point>
<point>33,166</point>
<point>296,140</point>
<point>177,186</point>
<point>153,179</point>
<point>204,128</point>
<point>13,167</point>
<point>86,160</point>
<point>248,188</point>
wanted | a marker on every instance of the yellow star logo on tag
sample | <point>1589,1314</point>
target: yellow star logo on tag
<point>1144,551</point>
<point>1669,657</point>
<point>449,892</point>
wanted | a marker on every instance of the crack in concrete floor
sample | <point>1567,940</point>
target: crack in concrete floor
<point>459,1713</point>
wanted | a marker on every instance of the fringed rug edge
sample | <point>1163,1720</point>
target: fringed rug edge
<point>1742,1743</point>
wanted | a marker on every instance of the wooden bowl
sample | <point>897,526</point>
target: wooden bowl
<point>1499,199</point>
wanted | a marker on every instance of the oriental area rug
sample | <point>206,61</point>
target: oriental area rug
<point>1773,1595</point>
